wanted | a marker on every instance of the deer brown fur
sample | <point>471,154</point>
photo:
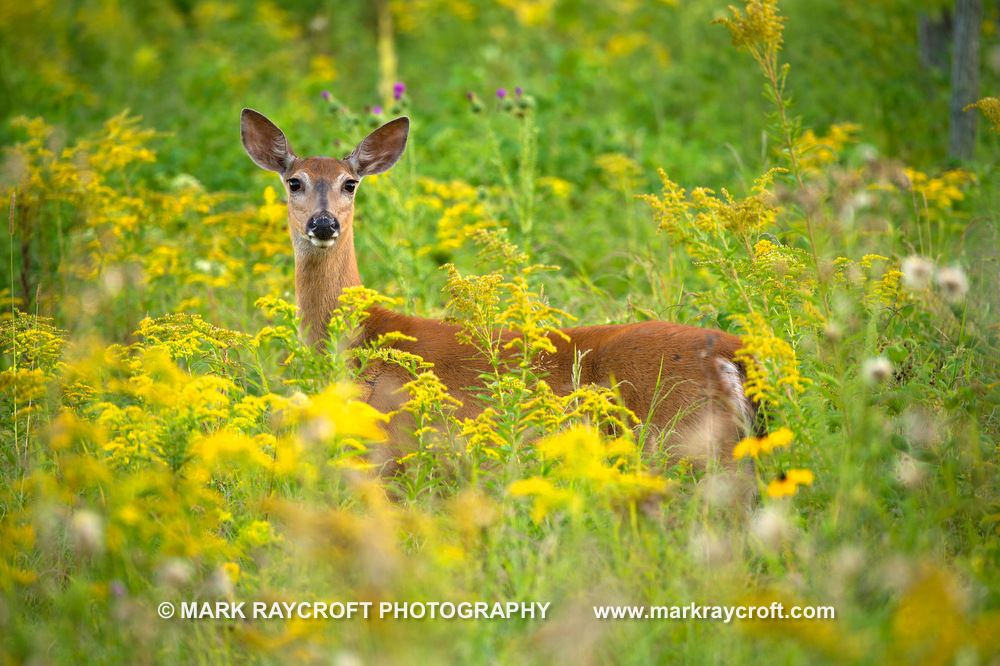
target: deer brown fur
<point>683,380</point>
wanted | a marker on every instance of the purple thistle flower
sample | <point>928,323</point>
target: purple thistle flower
<point>501,93</point>
<point>325,95</point>
<point>519,90</point>
<point>398,90</point>
<point>377,110</point>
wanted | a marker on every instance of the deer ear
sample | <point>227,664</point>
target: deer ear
<point>264,142</point>
<point>381,149</point>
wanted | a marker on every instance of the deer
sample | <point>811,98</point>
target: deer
<point>685,381</point>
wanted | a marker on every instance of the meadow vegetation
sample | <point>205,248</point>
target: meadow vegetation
<point>165,435</point>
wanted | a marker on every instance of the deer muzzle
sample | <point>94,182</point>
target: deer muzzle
<point>323,229</point>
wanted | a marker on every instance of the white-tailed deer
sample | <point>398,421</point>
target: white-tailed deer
<point>684,379</point>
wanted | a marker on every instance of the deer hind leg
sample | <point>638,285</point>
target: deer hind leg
<point>726,416</point>
<point>703,421</point>
<point>383,388</point>
<point>384,391</point>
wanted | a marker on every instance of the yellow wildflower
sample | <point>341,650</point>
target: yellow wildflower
<point>623,45</point>
<point>819,150</point>
<point>754,446</point>
<point>762,247</point>
<point>758,31</point>
<point>938,194</point>
<point>547,497</point>
<point>530,12</point>
<point>232,569</point>
<point>259,533</point>
<point>335,413</point>
<point>990,106</point>
<point>771,364</point>
<point>617,165</point>
<point>560,188</point>
<point>787,484</point>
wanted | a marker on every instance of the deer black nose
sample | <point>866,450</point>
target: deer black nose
<point>323,227</point>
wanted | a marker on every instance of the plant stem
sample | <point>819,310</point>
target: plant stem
<point>769,65</point>
<point>13,328</point>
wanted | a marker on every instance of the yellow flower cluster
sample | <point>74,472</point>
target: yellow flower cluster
<point>990,106</point>
<point>816,151</point>
<point>530,319</point>
<point>788,481</point>
<point>430,403</point>
<point>559,187</point>
<point>617,166</point>
<point>787,484</point>
<point>700,221</point>
<point>879,290</point>
<point>937,195</point>
<point>412,15</point>
<point>758,30</point>
<point>587,466</point>
<point>462,212</point>
<point>530,12</point>
<point>153,449</point>
<point>771,364</point>
<point>755,446</point>
<point>622,45</point>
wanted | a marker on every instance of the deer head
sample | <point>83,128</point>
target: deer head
<point>320,190</point>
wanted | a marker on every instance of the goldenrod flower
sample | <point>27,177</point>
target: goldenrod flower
<point>758,31</point>
<point>560,187</point>
<point>259,533</point>
<point>819,150</point>
<point>754,446</point>
<point>938,194</point>
<point>232,570</point>
<point>770,361</point>
<point>547,497</point>
<point>990,106</point>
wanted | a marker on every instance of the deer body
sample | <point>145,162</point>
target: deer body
<point>681,379</point>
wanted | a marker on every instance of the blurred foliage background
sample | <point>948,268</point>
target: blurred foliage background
<point>651,79</point>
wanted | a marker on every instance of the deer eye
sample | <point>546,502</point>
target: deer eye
<point>350,186</point>
<point>294,185</point>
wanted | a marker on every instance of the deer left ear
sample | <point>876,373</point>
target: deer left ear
<point>264,142</point>
<point>381,149</point>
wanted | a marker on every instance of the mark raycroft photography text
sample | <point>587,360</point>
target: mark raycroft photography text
<point>337,610</point>
<point>476,610</point>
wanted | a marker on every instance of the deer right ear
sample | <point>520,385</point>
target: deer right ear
<point>381,149</point>
<point>264,142</point>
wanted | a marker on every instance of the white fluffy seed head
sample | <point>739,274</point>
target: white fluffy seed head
<point>709,549</point>
<point>953,283</point>
<point>910,472</point>
<point>917,273</point>
<point>87,530</point>
<point>771,528</point>
<point>174,573</point>
<point>877,371</point>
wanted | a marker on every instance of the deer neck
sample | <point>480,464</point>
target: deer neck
<point>321,276</point>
